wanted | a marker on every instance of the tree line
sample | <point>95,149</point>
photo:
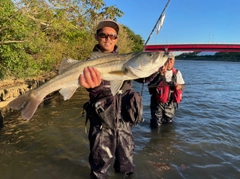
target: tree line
<point>35,35</point>
<point>221,56</point>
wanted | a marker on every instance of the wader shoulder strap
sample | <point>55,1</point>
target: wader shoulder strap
<point>174,77</point>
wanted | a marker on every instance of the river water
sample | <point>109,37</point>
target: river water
<point>202,142</point>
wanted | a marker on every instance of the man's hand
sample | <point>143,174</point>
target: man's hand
<point>90,78</point>
<point>178,87</point>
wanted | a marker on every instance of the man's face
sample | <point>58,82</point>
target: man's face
<point>107,39</point>
<point>170,63</point>
<point>163,68</point>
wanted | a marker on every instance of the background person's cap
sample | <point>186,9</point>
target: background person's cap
<point>108,23</point>
<point>171,55</point>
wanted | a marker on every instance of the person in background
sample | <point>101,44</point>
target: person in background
<point>166,93</point>
<point>111,117</point>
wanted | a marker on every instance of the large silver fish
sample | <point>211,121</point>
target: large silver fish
<point>115,68</point>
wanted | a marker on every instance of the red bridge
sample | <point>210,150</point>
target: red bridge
<point>194,47</point>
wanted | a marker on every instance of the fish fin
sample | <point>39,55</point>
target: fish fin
<point>28,103</point>
<point>66,63</point>
<point>100,54</point>
<point>116,86</point>
<point>68,92</point>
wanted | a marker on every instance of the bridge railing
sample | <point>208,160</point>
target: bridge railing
<point>194,47</point>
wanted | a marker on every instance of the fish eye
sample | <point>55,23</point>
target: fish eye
<point>150,54</point>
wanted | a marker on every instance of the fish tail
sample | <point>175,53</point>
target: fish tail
<point>28,103</point>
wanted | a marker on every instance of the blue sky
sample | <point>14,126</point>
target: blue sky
<point>186,21</point>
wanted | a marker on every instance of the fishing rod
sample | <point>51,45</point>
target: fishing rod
<point>205,83</point>
<point>160,22</point>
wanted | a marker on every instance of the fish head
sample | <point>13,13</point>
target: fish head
<point>145,63</point>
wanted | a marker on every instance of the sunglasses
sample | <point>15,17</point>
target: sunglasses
<point>105,36</point>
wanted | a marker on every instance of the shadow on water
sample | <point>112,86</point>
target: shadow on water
<point>153,158</point>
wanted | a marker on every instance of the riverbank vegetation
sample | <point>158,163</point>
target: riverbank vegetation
<point>220,56</point>
<point>35,35</point>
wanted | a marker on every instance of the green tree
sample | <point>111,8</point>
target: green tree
<point>14,38</point>
<point>35,35</point>
<point>137,40</point>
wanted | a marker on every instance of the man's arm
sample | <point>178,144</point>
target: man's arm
<point>147,79</point>
<point>180,81</point>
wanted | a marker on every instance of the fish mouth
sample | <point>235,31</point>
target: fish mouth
<point>159,60</point>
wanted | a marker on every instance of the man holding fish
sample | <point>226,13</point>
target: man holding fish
<point>114,107</point>
<point>111,116</point>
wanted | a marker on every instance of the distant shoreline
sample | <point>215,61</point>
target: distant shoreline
<point>220,56</point>
<point>209,59</point>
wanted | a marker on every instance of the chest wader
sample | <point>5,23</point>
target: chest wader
<point>110,133</point>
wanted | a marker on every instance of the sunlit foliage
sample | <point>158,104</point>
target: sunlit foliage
<point>35,35</point>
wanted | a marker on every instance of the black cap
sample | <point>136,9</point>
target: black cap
<point>108,23</point>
